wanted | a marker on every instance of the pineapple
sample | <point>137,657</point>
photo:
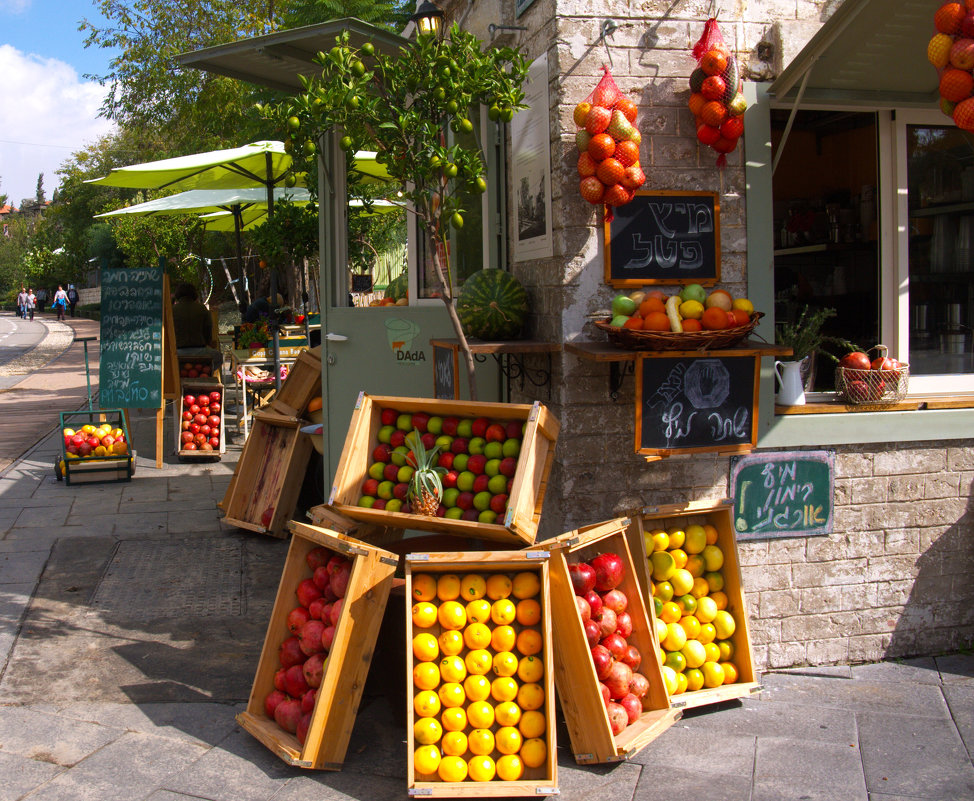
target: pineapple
<point>425,487</point>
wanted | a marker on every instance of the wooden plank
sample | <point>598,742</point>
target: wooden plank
<point>837,407</point>
<point>303,383</point>
<point>501,346</point>
<point>946,402</point>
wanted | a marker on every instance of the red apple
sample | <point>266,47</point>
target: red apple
<point>583,578</point>
<point>188,400</point>
<point>459,445</point>
<point>389,417</point>
<point>428,440</point>
<point>186,436</point>
<point>465,500</point>
<point>495,433</point>
<point>479,426</point>
<point>199,418</point>
<point>449,426</point>
<point>400,491</point>
<point>213,420</point>
<point>514,429</point>
<point>420,421</point>
<point>508,466</point>
<point>194,408</point>
<point>477,463</point>
<point>381,453</point>
<point>445,460</point>
<point>187,415</point>
<point>205,430</point>
<point>480,483</point>
<point>857,360</point>
<point>498,504</point>
<point>449,478</point>
<point>215,396</point>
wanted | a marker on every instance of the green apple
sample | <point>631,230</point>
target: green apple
<point>465,481</point>
<point>465,428</point>
<point>398,455</point>
<point>404,422</point>
<point>434,425</point>
<point>450,497</point>
<point>454,513</point>
<point>385,490</point>
<point>693,292</point>
<point>481,501</point>
<point>443,442</point>
<point>366,501</point>
<point>476,445</point>
<point>494,450</point>
<point>511,447</point>
<point>497,485</point>
<point>376,469</point>
<point>623,304</point>
<point>460,462</point>
<point>385,433</point>
<point>487,516</point>
<point>493,467</point>
<point>394,505</point>
<point>405,473</point>
<point>619,320</point>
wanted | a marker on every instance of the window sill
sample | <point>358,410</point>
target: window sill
<point>822,405</point>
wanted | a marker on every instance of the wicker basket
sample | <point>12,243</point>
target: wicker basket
<point>688,340</point>
<point>872,387</point>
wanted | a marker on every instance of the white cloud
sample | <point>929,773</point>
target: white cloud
<point>15,6</point>
<point>48,114</point>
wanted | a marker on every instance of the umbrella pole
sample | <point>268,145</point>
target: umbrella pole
<point>277,332</point>
<point>244,288</point>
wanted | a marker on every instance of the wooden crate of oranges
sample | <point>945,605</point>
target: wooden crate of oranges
<point>692,578</point>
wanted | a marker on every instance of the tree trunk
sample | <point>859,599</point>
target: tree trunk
<point>451,310</point>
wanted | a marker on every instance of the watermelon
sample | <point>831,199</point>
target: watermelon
<point>492,305</point>
<point>397,287</point>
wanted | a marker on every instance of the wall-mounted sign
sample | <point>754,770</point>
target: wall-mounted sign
<point>531,166</point>
<point>782,494</point>
<point>664,237</point>
<point>445,368</point>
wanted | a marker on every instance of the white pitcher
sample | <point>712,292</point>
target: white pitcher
<point>790,389</point>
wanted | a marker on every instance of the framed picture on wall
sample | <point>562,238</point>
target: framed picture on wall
<point>521,6</point>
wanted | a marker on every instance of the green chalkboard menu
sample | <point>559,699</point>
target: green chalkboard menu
<point>130,375</point>
<point>664,237</point>
<point>689,403</point>
<point>782,494</point>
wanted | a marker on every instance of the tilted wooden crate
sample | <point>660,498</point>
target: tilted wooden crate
<point>303,383</point>
<point>720,516</point>
<point>519,523</point>
<point>575,676</point>
<point>349,658</point>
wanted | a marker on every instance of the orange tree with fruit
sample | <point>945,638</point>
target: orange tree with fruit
<point>400,106</point>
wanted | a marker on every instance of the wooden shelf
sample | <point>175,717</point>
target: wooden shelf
<point>606,352</point>
<point>507,354</point>
<point>912,403</point>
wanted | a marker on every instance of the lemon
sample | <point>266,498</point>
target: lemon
<point>742,304</point>
<point>676,537</point>
<point>707,611</point>
<point>694,679</point>
<point>726,650</point>
<point>724,624</point>
<point>695,653</point>
<point>696,539</point>
<point>663,565</point>
<point>691,310</point>
<point>713,674</point>
<point>676,637</point>
<point>669,678</point>
<point>682,581</point>
<point>713,558</point>
<point>712,652</point>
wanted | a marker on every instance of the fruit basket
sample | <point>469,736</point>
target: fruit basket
<point>592,572</point>
<point>318,648</point>
<point>481,700</point>
<point>872,387</point>
<point>632,339</point>
<point>95,447</point>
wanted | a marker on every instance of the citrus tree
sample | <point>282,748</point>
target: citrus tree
<point>400,106</point>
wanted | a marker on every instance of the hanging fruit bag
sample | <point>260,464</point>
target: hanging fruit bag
<point>717,99</point>
<point>608,144</point>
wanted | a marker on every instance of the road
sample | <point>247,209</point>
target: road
<point>17,338</point>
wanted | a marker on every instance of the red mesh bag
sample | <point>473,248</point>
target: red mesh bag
<point>951,51</point>
<point>608,144</point>
<point>716,93</point>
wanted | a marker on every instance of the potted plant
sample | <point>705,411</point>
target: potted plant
<point>806,339</point>
<point>253,335</point>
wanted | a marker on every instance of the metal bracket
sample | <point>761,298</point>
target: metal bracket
<point>513,368</point>
<point>617,377</point>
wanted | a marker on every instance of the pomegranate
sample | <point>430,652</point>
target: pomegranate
<point>290,652</point>
<point>594,603</point>
<point>609,571</point>
<point>632,705</point>
<point>296,686</point>
<point>296,618</point>
<point>335,612</point>
<point>608,622</point>
<point>301,731</point>
<point>321,578</point>
<point>310,636</point>
<point>327,637</point>
<point>618,717</point>
<point>287,714</point>
<point>318,609</point>
<point>279,679</point>
<point>317,557</point>
<point>616,645</point>
<point>593,632</point>
<point>639,686</point>
<point>308,700</point>
<point>339,580</point>
<point>615,600</point>
<point>584,610</point>
<point>314,669</point>
<point>604,692</point>
<point>307,592</point>
<point>617,679</point>
<point>624,624</point>
<point>603,661</point>
<point>274,697</point>
<point>632,657</point>
<point>583,577</point>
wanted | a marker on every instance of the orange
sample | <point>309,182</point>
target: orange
<point>676,637</point>
<point>450,642</point>
<point>452,615</point>
<point>690,625</point>
<point>955,84</point>
<point>476,636</point>
<point>525,585</point>
<point>634,323</point>
<point>507,713</point>
<point>696,566</point>
<point>711,534</point>
<point>472,587</point>
<point>528,612</point>
<point>426,760</point>
<point>712,652</point>
<point>680,557</point>
<point>726,650</point>
<point>534,752</point>
<point>528,642</point>
<point>532,725</point>
<point>424,587</point>
<point>503,612</point>
<point>694,678</point>
<point>499,586</point>
<point>452,768</point>
<point>451,694</point>
<point>656,321</point>
<point>715,581</point>
<point>690,326</point>
<point>478,662</point>
<point>724,623</point>
<point>454,719</point>
<point>426,704</point>
<point>715,318</point>
<point>510,768</point>
<point>477,687</point>
<point>448,587</point>
<point>696,103</point>
<point>730,672</point>
<point>478,611</point>
<point>503,688</point>
<point>530,696</point>
<point>481,741</point>
<point>424,614</point>
<point>701,587</point>
<point>671,612</point>
<point>713,113</point>
<point>719,598</point>
<point>706,610</point>
<point>651,305</point>
<point>505,663</point>
<point>627,152</point>
<point>948,17</point>
<point>601,146</point>
<point>508,740</point>
<point>425,647</point>
<point>713,62</point>
<point>713,674</point>
<point>503,638</point>
<point>452,669</point>
<point>707,633</point>
<point>481,768</point>
<point>480,715</point>
<point>530,669</point>
<point>427,731</point>
<point>426,676</point>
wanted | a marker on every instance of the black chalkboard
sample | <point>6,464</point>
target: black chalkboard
<point>130,375</point>
<point>687,403</point>
<point>445,365</point>
<point>664,237</point>
<point>783,494</point>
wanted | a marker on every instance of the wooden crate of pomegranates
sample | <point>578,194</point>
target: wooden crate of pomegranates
<point>265,485</point>
<point>481,703</point>
<point>318,648</point>
<point>199,414</point>
<point>491,463</point>
<point>607,668</point>
<point>691,578</point>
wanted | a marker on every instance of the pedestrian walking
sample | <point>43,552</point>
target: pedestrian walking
<point>22,304</point>
<point>72,297</point>
<point>41,299</point>
<point>60,302</point>
<point>31,303</point>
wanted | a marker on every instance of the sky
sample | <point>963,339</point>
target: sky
<point>48,110</point>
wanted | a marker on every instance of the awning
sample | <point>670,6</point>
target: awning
<point>870,53</point>
<point>276,59</point>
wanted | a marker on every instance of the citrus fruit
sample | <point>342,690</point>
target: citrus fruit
<point>671,612</point>
<point>481,768</point>
<point>530,696</point>
<point>507,713</point>
<point>509,767</point>
<point>448,587</point>
<point>480,715</point>
<point>947,19</point>
<point>526,585</point>
<point>657,606</point>
<point>450,642</point>
<point>424,614</point>
<point>426,676</point>
<point>425,647</point>
<point>427,731</point>
<point>696,539</point>
<point>669,678</point>
<point>677,537</point>
<point>530,669</point>
<point>476,635</point>
<point>478,611</point>
<point>451,615</point>
<point>534,752</point>
<point>726,650</point>
<point>707,633</point>
<point>664,591</point>
<point>660,629</point>
<point>713,558</point>
<point>480,741</point>
<point>675,660</point>
<point>696,566</point>
<point>659,538</point>
<point>472,587</point>
<point>694,652</point>
<point>454,719</point>
<point>504,664</point>
<point>503,612</point>
<point>532,725</point>
<point>477,687</point>
<point>715,581</point>
<point>687,604</point>
<point>682,582</point>
<point>451,694</point>
<point>503,638</point>
<point>690,625</point>
<point>712,652</point>
<point>528,642</point>
<point>452,768</point>
<point>426,759</point>
<point>694,679</point>
<point>503,688</point>
<point>424,587</point>
<point>508,740</point>
<point>701,587</point>
<point>528,612</point>
<point>719,598</point>
<point>478,662</point>
<point>426,704</point>
<point>498,586</point>
<point>724,624</point>
<point>955,84</point>
<point>706,609</point>
<point>663,565</point>
<point>680,557</point>
<point>681,683</point>
<point>675,638</point>
<point>710,531</point>
<point>730,672</point>
<point>452,669</point>
<point>713,674</point>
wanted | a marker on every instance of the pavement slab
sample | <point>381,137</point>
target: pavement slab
<point>960,701</point>
<point>956,668</point>
<point>51,738</point>
<point>788,769</point>
<point>922,670</point>
<point>729,753</point>
<point>21,775</point>
<point>22,567</point>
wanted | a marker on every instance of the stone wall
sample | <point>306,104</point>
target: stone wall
<point>892,578</point>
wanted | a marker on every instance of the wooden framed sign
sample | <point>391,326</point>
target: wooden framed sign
<point>783,494</point>
<point>687,403</point>
<point>664,238</point>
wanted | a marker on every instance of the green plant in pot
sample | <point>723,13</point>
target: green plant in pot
<point>806,338</point>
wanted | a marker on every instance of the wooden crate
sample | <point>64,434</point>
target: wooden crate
<point>520,522</point>
<point>575,677</point>
<point>196,386</point>
<point>542,780</point>
<point>348,661</point>
<point>720,516</point>
<point>266,483</point>
<point>95,470</point>
<point>303,383</point>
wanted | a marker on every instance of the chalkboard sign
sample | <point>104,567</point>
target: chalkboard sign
<point>687,403</point>
<point>783,494</point>
<point>130,375</point>
<point>664,237</point>
<point>445,367</point>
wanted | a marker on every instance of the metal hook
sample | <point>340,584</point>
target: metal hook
<point>607,28</point>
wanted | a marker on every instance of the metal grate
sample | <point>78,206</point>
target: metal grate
<point>190,578</point>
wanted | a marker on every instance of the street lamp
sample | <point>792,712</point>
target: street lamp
<point>428,18</point>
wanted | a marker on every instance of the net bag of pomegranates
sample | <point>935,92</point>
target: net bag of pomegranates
<point>717,98</point>
<point>608,144</point>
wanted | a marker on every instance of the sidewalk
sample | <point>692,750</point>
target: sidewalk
<point>131,620</point>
